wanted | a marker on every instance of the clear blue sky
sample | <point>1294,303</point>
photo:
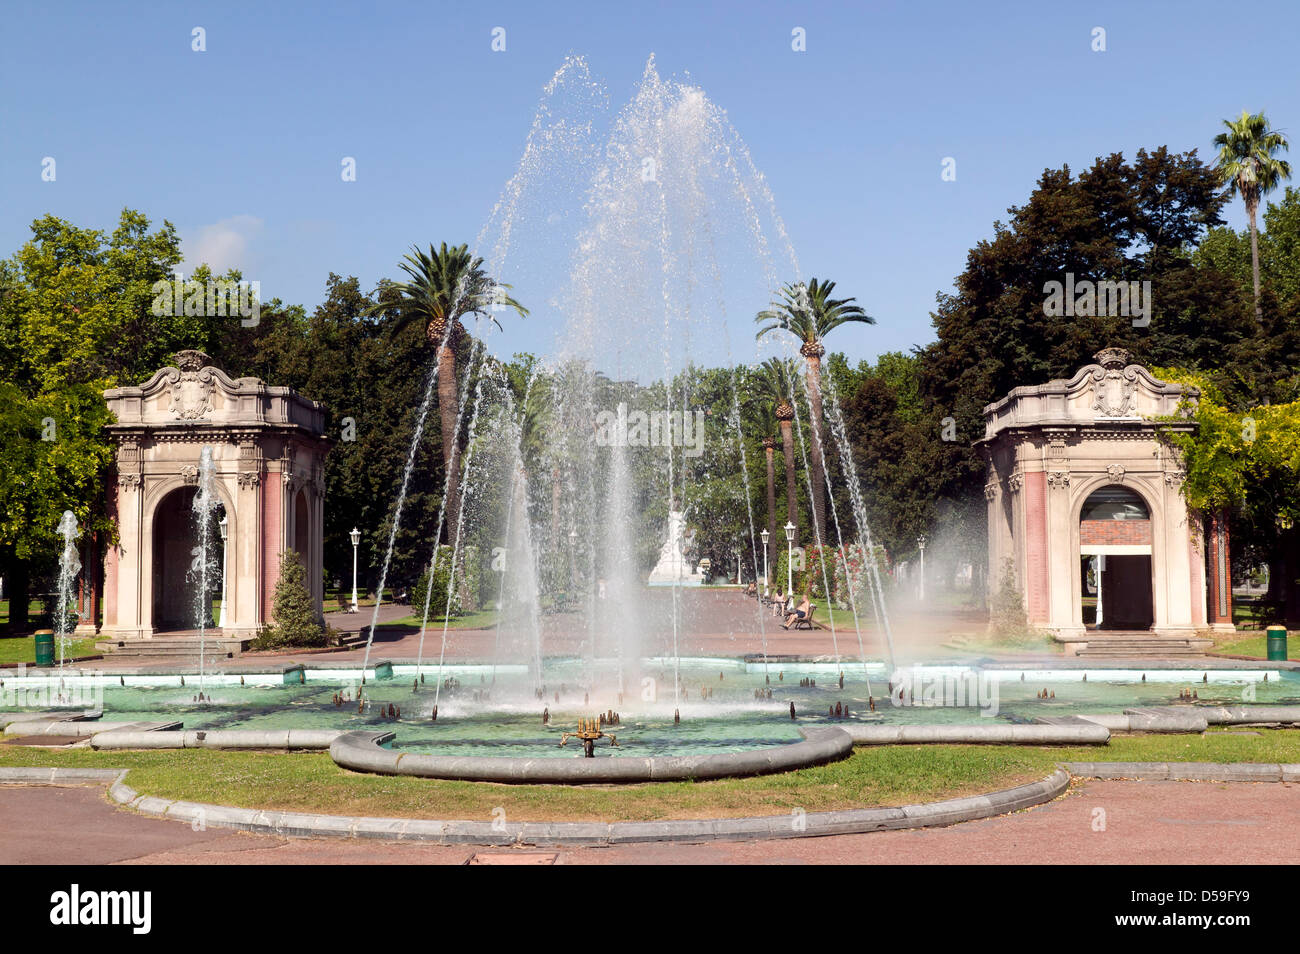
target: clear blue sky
<point>240,146</point>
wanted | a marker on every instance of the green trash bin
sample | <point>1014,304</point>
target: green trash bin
<point>1277,644</point>
<point>45,647</point>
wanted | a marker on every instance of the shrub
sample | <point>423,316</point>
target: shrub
<point>1007,618</point>
<point>295,623</point>
<point>440,605</point>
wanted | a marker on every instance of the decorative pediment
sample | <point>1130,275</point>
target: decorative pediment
<point>1112,391</point>
<point>194,391</point>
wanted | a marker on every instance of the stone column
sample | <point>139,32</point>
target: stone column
<point>1065,613</point>
<point>1176,594</point>
<point>245,567</point>
<point>1036,579</point>
<point>133,616</point>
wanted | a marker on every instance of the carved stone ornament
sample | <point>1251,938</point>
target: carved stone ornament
<point>1114,384</point>
<point>249,478</point>
<point>1173,478</point>
<point>190,474</point>
<point>1058,479</point>
<point>191,386</point>
<point>1015,482</point>
<point>991,490</point>
<point>1116,472</point>
<point>128,480</point>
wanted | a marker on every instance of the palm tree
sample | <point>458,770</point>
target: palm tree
<point>1247,160</point>
<point>445,286</point>
<point>810,313</point>
<point>776,376</point>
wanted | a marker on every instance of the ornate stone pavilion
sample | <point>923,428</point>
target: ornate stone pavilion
<point>1085,501</point>
<point>268,446</point>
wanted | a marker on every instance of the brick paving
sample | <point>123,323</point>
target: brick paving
<point>1098,822</point>
<point>713,622</point>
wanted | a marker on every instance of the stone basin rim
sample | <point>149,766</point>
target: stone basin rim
<point>362,751</point>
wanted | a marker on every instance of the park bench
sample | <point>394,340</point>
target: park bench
<point>807,621</point>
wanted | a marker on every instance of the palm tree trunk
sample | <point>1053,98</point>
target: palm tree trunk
<point>770,452</point>
<point>787,445</point>
<point>818,456</point>
<point>1254,256</point>
<point>555,506</point>
<point>448,411</point>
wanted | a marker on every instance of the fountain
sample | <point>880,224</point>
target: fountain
<point>676,227</point>
<point>588,732</point>
<point>203,566</point>
<point>65,617</point>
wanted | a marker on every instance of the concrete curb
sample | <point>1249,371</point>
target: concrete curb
<point>1250,715</point>
<point>26,775</point>
<point>796,824</point>
<point>87,729</point>
<point>282,739</point>
<point>1187,771</point>
<point>361,752</point>
<point>979,734</point>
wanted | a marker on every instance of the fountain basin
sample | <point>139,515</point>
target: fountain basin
<point>363,752</point>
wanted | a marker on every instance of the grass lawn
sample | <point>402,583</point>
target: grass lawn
<point>873,776</point>
<point>34,609</point>
<point>482,619</point>
<point>22,649</point>
<point>1257,646</point>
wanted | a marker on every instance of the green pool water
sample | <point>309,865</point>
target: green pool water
<point>479,717</point>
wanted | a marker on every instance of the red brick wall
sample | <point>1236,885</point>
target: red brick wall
<point>1036,596</point>
<point>1132,532</point>
<point>271,493</point>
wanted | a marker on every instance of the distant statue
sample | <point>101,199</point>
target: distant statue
<point>672,567</point>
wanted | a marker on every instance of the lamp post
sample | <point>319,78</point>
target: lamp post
<point>920,542</point>
<point>355,536</point>
<point>221,527</point>
<point>789,558</point>
<point>766,581</point>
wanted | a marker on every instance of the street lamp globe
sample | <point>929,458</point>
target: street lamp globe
<point>789,532</point>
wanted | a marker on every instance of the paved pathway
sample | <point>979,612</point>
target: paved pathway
<point>714,622</point>
<point>1144,823</point>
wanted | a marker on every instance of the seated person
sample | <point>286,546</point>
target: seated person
<point>751,589</point>
<point>778,603</point>
<point>800,612</point>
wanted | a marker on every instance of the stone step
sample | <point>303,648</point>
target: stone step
<point>217,648</point>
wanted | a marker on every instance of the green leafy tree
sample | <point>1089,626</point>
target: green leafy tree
<point>76,317</point>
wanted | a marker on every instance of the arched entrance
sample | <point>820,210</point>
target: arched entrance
<point>175,539</point>
<point>1115,560</point>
